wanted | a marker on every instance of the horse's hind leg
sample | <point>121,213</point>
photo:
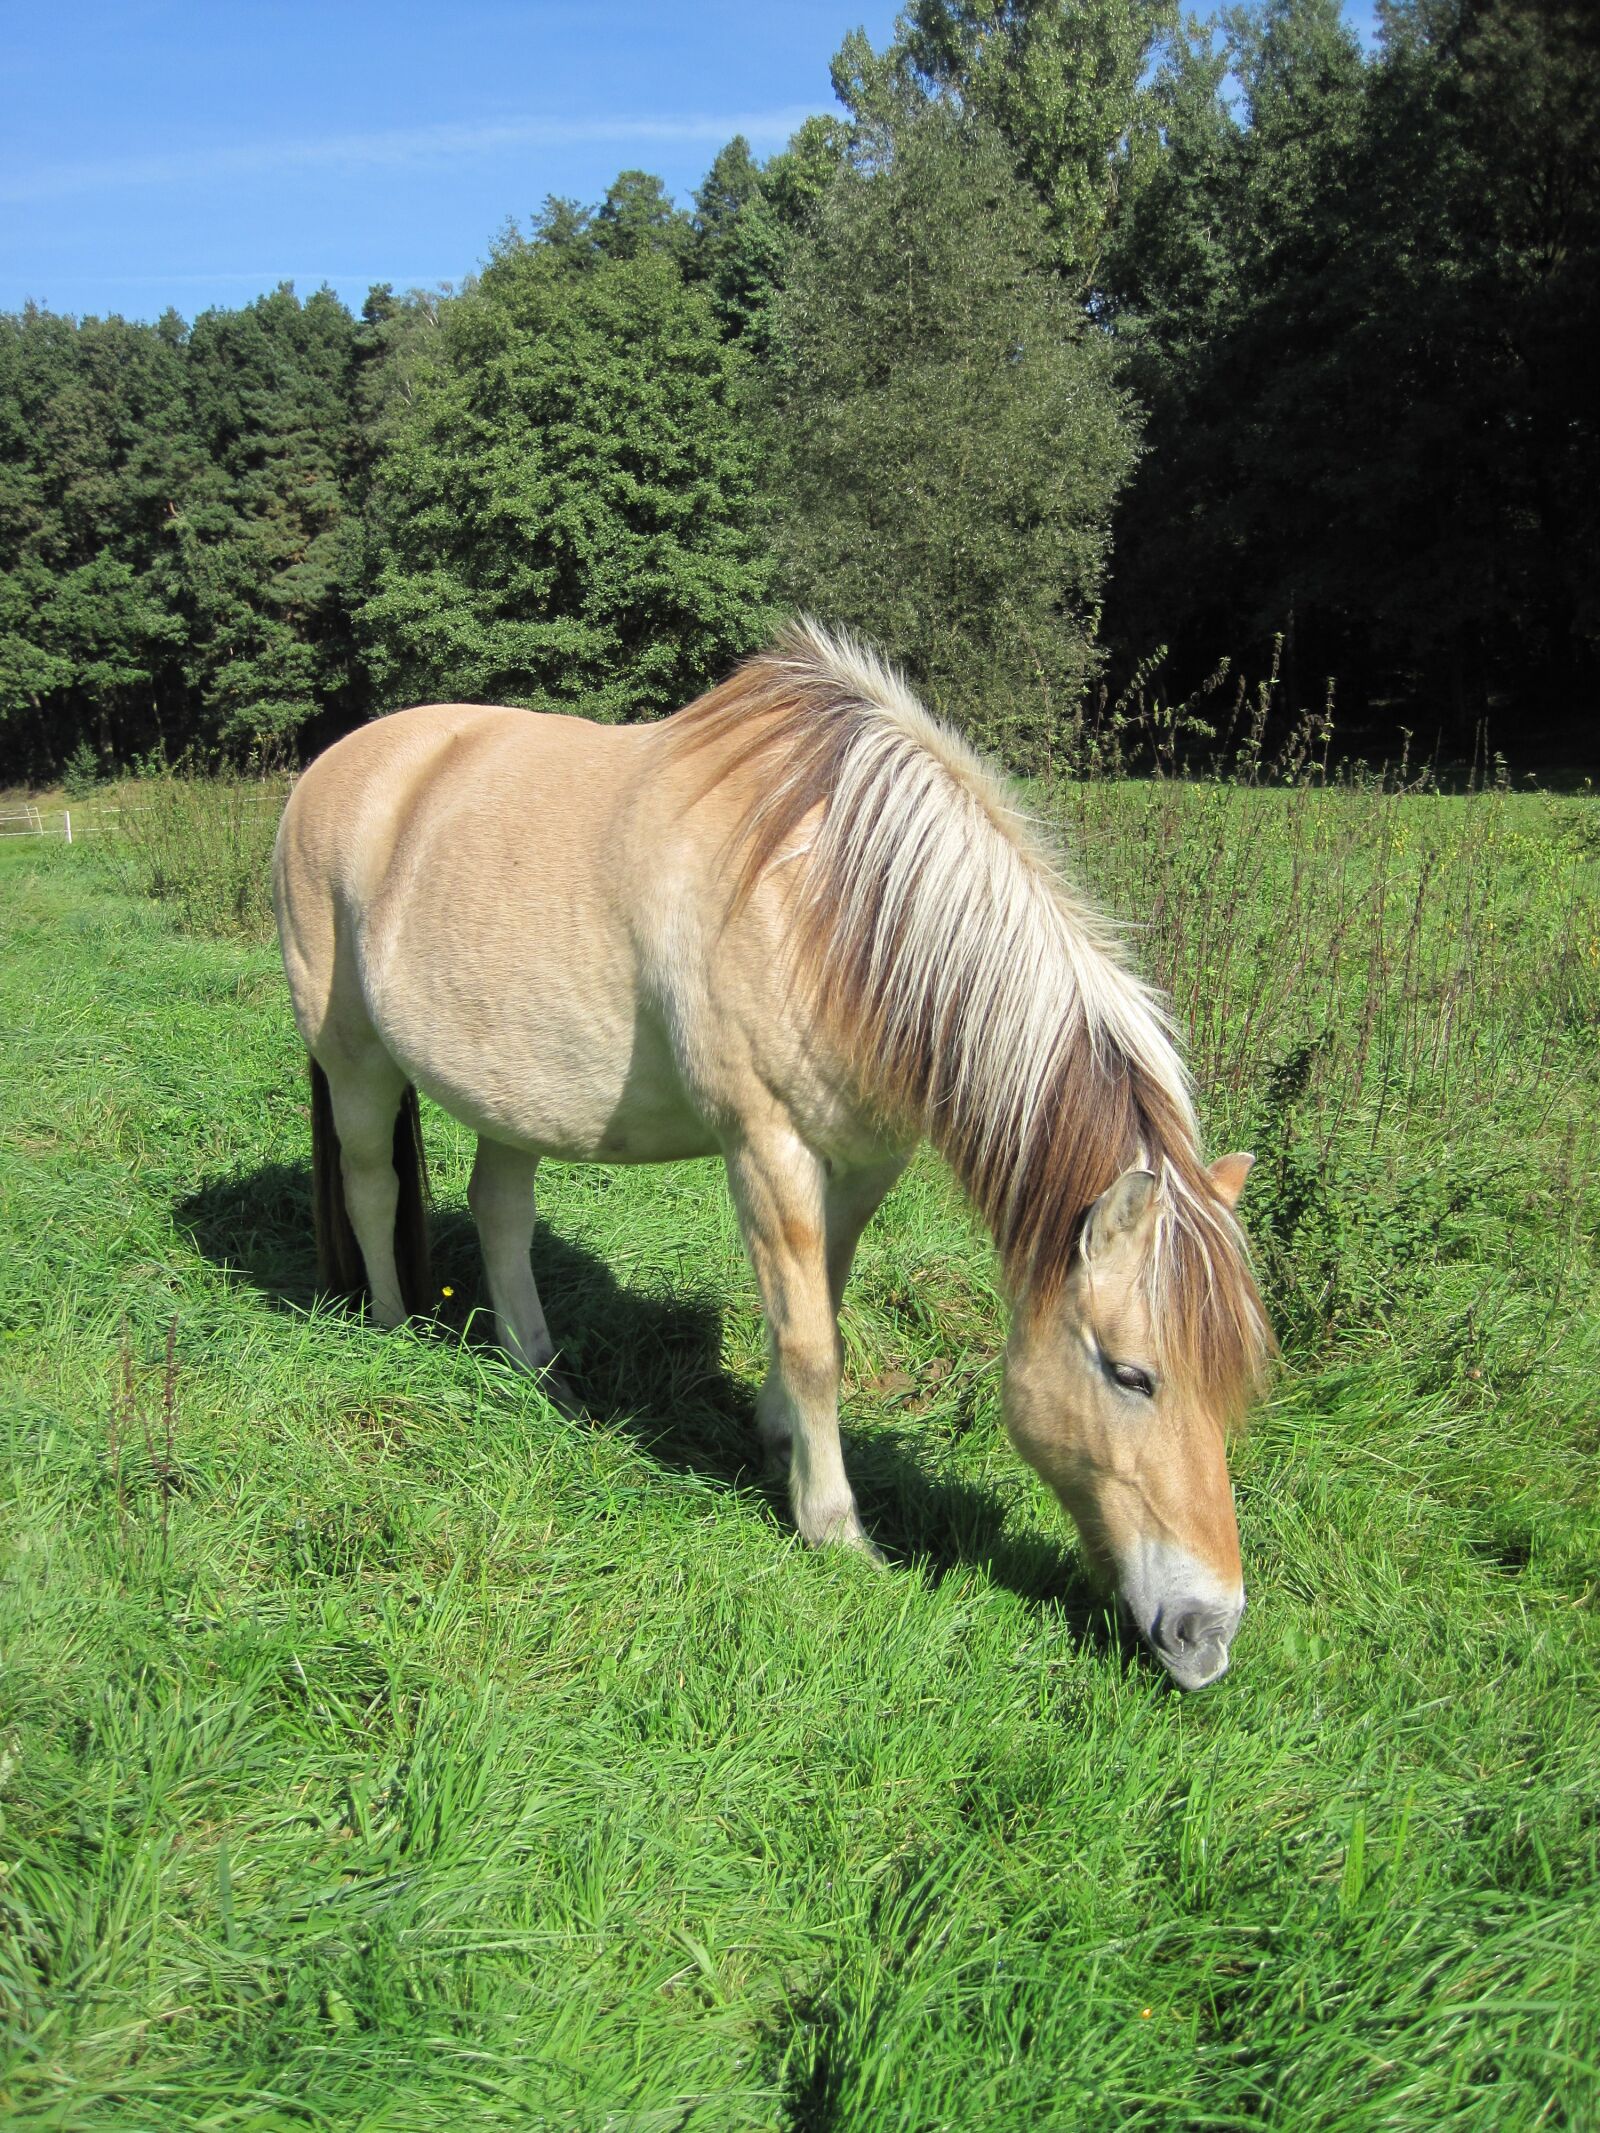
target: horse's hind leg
<point>501,1198</point>
<point>779,1189</point>
<point>366,1094</point>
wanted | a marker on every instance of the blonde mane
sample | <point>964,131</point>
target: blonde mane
<point>973,992</point>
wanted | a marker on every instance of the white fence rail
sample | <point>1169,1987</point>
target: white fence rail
<point>20,818</point>
<point>30,821</point>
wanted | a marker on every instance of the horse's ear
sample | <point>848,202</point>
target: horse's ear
<point>1228,1174</point>
<point>1119,1209</point>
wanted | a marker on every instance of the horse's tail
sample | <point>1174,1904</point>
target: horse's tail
<point>340,1268</point>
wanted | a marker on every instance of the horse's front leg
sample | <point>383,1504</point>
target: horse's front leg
<point>780,1190</point>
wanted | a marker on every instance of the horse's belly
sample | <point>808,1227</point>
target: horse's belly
<point>581,1073</point>
<point>553,1119</point>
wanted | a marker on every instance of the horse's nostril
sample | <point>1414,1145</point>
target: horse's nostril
<point>1188,1632</point>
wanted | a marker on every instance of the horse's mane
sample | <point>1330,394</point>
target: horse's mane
<point>972,991</point>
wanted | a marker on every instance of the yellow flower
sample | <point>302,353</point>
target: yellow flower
<point>447,1290</point>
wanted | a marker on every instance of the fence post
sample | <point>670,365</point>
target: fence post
<point>67,814</point>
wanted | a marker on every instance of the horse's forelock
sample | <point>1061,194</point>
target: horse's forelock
<point>1210,1327</point>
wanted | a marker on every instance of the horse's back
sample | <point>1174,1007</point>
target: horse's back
<point>451,792</point>
<point>391,787</point>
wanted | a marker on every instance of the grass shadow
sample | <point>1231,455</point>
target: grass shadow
<point>650,1365</point>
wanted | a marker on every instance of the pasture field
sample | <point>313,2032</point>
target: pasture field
<point>381,1749</point>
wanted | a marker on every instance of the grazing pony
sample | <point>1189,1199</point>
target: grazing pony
<point>799,926</point>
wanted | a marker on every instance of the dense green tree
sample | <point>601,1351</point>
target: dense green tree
<point>1357,306</point>
<point>92,422</point>
<point>949,437</point>
<point>636,216</point>
<point>567,228</point>
<point>565,513</point>
<point>260,530</point>
<point>171,510</point>
<point>1058,80</point>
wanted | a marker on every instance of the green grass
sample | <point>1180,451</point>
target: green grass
<point>383,1750</point>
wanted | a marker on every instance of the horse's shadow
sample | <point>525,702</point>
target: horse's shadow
<point>650,1365</point>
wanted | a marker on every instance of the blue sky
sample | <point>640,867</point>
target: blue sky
<point>196,152</point>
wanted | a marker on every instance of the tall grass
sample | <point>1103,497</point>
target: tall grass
<point>202,843</point>
<point>1372,987</point>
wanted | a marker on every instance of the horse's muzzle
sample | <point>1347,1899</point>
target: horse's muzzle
<point>1184,1613</point>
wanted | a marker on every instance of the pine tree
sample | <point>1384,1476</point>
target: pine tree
<point>741,248</point>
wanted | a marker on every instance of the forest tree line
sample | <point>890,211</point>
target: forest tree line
<point>1083,337</point>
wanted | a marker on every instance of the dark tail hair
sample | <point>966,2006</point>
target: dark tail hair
<point>339,1264</point>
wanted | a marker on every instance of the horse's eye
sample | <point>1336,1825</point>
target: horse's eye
<point>1132,1379</point>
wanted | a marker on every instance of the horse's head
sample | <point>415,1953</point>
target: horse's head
<point>1120,1387</point>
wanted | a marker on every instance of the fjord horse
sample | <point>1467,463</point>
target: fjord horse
<point>799,926</point>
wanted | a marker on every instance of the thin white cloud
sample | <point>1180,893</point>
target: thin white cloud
<point>393,149</point>
<point>267,278</point>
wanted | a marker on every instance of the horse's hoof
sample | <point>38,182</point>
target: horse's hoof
<point>550,1382</point>
<point>558,1391</point>
<point>849,1534</point>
